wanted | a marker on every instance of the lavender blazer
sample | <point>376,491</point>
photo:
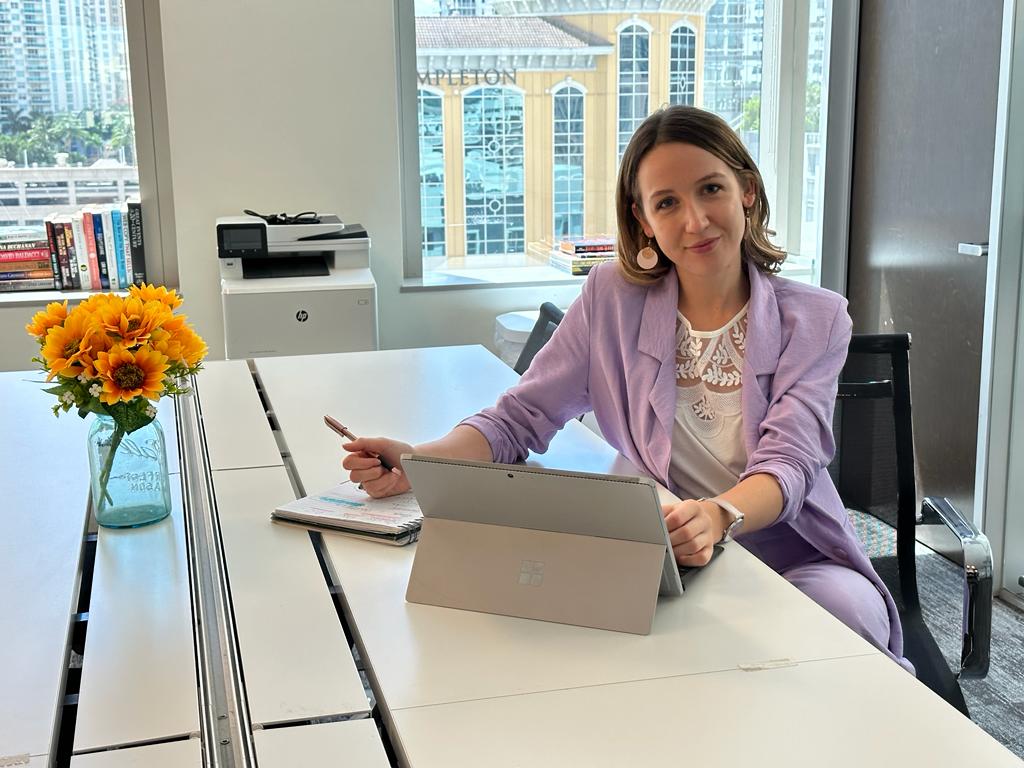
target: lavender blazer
<point>614,354</point>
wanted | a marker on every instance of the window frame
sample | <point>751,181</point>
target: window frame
<point>682,25</point>
<point>619,29</point>
<point>429,89</point>
<point>579,89</point>
<point>780,105</point>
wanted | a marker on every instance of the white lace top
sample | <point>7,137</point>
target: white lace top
<point>708,455</point>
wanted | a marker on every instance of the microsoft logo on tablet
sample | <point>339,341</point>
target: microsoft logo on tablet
<point>531,574</point>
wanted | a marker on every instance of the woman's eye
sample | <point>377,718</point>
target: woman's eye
<point>665,202</point>
<point>712,188</point>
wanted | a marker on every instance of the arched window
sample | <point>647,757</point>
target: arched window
<point>682,76</point>
<point>634,79</point>
<point>431,134</point>
<point>493,139</point>
<point>567,165</point>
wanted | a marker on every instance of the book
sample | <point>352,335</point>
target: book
<point>126,248</point>
<point>6,246</point>
<point>62,254</point>
<point>28,265</point>
<point>137,242</point>
<point>87,265</point>
<point>117,231</point>
<point>94,241</point>
<point>19,236</point>
<point>25,254</point>
<point>28,274</point>
<point>348,510</point>
<point>575,265</point>
<point>79,271</point>
<point>32,284</point>
<point>595,244</point>
<point>51,236</point>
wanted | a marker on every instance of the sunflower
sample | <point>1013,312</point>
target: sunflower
<point>54,314</point>
<point>147,292</point>
<point>67,349</point>
<point>132,320</point>
<point>127,374</point>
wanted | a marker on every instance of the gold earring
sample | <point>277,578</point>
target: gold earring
<point>647,258</point>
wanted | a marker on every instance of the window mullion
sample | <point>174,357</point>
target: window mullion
<point>783,107</point>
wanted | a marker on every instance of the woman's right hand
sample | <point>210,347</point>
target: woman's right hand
<point>364,467</point>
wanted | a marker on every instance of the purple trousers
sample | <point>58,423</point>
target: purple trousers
<point>840,590</point>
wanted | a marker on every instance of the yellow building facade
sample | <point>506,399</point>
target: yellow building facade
<point>537,73</point>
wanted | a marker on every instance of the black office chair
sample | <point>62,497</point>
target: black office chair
<point>549,318</point>
<point>873,440</point>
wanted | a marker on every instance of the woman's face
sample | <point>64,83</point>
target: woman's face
<point>692,204</point>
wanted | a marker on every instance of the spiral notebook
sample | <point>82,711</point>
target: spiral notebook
<point>350,511</point>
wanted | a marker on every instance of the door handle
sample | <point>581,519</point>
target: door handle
<point>972,249</point>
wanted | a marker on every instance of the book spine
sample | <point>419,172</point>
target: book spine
<point>62,255</point>
<point>126,248</point>
<point>90,279</point>
<point>29,274</point>
<point>25,266</point>
<point>108,243</point>
<point>138,250</point>
<point>36,284</point>
<point>73,263</point>
<point>24,254</point>
<point>51,236</point>
<point>89,236</point>
<point>101,249</point>
<point>572,248</point>
<point>117,230</point>
<point>23,245</point>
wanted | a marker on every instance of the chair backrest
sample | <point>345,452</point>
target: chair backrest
<point>874,433</point>
<point>549,318</point>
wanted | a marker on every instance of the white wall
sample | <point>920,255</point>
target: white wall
<point>294,106</point>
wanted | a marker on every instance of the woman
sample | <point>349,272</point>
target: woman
<point>701,366</point>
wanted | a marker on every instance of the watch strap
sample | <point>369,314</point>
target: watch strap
<point>737,516</point>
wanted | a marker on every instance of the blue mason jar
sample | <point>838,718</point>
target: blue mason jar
<point>128,474</point>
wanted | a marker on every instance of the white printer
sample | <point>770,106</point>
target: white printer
<point>295,288</point>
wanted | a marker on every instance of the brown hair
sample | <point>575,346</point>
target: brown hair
<point>688,125</point>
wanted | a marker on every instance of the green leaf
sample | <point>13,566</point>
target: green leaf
<point>130,416</point>
<point>58,390</point>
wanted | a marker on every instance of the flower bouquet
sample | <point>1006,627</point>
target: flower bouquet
<point>116,356</point>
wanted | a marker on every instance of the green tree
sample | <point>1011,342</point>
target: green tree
<point>14,120</point>
<point>812,119</point>
<point>751,120</point>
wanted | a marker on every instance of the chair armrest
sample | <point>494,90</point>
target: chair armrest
<point>977,616</point>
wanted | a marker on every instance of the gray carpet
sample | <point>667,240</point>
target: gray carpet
<point>996,702</point>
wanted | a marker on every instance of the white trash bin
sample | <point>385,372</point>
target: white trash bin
<point>511,330</point>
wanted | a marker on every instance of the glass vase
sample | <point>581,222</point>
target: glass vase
<point>128,473</point>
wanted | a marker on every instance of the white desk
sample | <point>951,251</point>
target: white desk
<point>139,666</point>
<point>44,472</point>
<point>350,743</point>
<point>463,688</point>
<point>237,432</point>
<point>843,713</point>
<point>295,657</point>
<point>174,754</point>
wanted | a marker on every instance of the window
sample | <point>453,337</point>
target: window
<point>507,163</point>
<point>634,69</point>
<point>492,138</point>
<point>66,129</point>
<point>567,162</point>
<point>432,172</point>
<point>683,63</point>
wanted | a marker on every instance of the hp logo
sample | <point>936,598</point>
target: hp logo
<point>302,315</point>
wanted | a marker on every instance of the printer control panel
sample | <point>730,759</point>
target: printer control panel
<point>241,241</point>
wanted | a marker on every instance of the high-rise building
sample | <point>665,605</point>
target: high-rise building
<point>62,56</point>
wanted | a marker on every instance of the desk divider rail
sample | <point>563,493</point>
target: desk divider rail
<point>224,711</point>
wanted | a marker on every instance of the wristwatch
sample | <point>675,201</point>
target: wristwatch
<point>730,509</point>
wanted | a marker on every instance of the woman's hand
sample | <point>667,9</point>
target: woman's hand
<point>694,527</point>
<point>364,467</point>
